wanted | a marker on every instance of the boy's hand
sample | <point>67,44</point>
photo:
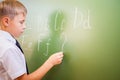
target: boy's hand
<point>55,58</point>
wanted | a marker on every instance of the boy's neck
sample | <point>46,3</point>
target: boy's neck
<point>1,27</point>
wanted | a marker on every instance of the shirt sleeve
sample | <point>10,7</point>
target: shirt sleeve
<point>14,62</point>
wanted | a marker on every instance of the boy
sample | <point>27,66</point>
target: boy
<point>12,61</point>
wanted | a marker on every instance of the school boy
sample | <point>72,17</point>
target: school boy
<point>12,61</point>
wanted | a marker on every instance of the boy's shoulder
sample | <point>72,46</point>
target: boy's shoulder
<point>4,45</point>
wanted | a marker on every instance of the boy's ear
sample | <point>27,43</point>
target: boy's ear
<point>6,21</point>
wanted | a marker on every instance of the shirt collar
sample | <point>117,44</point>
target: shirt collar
<point>7,36</point>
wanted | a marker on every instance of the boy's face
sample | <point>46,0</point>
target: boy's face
<point>17,25</point>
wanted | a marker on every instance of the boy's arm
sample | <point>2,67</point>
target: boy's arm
<point>40,72</point>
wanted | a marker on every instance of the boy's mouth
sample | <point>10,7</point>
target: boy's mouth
<point>22,31</point>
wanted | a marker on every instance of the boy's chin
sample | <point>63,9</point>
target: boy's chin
<point>17,36</point>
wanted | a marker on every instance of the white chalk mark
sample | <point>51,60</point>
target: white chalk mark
<point>80,22</point>
<point>81,19</point>
<point>86,23</point>
<point>47,47</point>
<point>62,24</point>
<point>38,47</point>
<point>64,41</point>
<point>56,18</point>
<point>75,18</point>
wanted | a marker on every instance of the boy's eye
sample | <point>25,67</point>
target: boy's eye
<point>21,22</point>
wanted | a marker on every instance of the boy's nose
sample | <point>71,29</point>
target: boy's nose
<point>24,26</point>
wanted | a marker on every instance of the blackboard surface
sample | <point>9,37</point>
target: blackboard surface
<point>87,31</point>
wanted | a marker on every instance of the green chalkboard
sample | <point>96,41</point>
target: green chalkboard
<point>87,31</point>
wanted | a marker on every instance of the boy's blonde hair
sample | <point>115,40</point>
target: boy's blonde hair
<point>11,8</point>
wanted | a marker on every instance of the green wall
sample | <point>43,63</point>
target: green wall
<point>87,31</point>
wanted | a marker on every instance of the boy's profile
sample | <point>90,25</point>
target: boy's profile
<point>12,61</point>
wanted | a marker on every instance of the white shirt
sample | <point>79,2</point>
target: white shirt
<point>12,60</point>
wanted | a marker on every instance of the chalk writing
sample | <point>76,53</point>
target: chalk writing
<point>38,45</point>
<point>62,24</point>
<point>64,41</point>
<point>47,47</point>
<point>59,13</point>
<point>39,41</point>
<point>81,19</point>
